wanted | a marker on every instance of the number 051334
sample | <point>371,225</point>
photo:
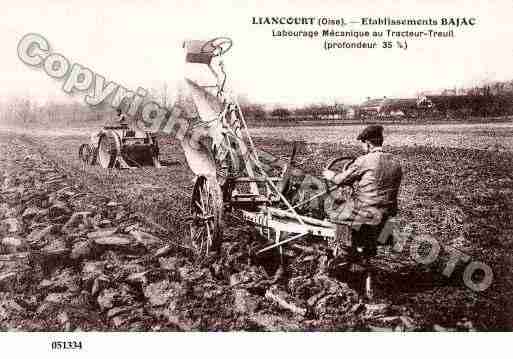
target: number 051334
<point>66,345</point>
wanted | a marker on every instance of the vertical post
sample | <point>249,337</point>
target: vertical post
<point>277,237</point>
<point>368,290</point>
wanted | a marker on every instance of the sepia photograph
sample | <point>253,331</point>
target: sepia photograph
<point>249,167</point>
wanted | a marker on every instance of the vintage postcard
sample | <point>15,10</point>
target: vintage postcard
<point>262,166</point>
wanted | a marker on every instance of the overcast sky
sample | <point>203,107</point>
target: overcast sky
<point>138,43</point>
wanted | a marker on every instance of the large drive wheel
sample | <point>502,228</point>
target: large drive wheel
<point>86,153</point>
<point>108,150</point>
<point>207,212</point>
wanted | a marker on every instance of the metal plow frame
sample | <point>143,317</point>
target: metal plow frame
<point>259,206</point>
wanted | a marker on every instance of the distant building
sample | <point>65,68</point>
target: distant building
<point>486,101</point>
<point>351,112</point>
<point>384,107</point>
<point>372,106</point>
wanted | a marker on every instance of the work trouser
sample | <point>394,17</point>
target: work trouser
<point>356,241</point>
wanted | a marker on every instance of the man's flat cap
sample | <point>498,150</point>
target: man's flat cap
<point>372,131</point>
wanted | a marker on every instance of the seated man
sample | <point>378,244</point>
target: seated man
<point>377,176</point>
<point>120,121</point>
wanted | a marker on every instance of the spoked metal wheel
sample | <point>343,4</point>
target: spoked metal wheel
<point>207,211</point>
<point>86,153</point>
<point>108,150</point>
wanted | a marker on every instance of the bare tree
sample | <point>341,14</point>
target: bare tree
<point>21,110</point>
